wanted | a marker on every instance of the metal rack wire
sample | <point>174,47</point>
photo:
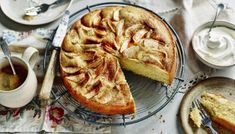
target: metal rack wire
<point>150,96</point>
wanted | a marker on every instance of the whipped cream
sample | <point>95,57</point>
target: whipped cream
<point>218,48</point>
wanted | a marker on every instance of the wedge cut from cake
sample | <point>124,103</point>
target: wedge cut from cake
<point>103,41</point>
<point>221,110</point>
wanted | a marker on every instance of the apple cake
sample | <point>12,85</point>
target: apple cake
<point>103,41</point>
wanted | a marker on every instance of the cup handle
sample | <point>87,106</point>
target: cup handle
<point>31,55</point>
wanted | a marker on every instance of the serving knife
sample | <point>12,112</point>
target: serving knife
<point>45,91</point>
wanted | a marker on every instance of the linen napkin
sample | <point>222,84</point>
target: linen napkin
<point>18,41</point>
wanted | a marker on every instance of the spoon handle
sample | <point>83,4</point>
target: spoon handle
<point>12,67</point>
<point>216,15</point>
<point>7,53</point>
<point>4,47</point>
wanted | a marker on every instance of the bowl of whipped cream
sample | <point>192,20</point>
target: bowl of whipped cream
<point>217,49</point>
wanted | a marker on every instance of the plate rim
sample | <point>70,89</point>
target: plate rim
<point>30,23</point>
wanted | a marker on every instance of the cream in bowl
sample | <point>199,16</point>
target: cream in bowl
<point>216,50</point>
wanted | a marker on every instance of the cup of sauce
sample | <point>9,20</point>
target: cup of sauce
<point>18,90</point>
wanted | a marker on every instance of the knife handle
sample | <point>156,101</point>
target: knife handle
<point>49,78</point>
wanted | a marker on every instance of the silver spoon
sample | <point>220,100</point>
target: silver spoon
<point>220,7</point>
<point>7,53</point>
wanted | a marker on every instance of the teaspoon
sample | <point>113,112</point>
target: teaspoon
<point>220,7</point>
<point>7,53</point>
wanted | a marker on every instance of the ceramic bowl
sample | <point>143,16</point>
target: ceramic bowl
<point>200,57</point>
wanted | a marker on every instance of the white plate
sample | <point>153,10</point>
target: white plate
<point>14,9</point>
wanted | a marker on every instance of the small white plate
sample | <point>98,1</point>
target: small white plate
<point>15,10</point>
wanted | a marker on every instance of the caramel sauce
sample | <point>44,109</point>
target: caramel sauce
<point>9,81</point>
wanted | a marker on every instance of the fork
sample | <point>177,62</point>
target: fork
<point>32,11</point>
<point>206,121</point>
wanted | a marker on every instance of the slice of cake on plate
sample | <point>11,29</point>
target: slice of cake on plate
<point>221,110</point>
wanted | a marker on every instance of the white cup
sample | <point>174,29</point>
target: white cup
<point>23,94</point>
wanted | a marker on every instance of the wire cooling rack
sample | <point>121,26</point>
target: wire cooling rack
<point>150,96</point>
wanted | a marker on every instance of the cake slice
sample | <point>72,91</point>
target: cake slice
<point>195,117</point>
<point>221,110</point>
<point>151,49</point>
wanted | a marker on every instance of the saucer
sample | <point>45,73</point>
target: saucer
<point>14,9</point>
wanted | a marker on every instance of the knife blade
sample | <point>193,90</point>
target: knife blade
<point>45,91</point>
<point>61,31</point>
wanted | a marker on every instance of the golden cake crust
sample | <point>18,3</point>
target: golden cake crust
<point>100,108</point>
<point>96,44</point>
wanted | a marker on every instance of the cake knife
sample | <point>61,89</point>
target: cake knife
<point>45,91</point>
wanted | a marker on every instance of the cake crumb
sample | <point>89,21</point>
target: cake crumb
<point>27,17</point>
<point>160,117</point>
